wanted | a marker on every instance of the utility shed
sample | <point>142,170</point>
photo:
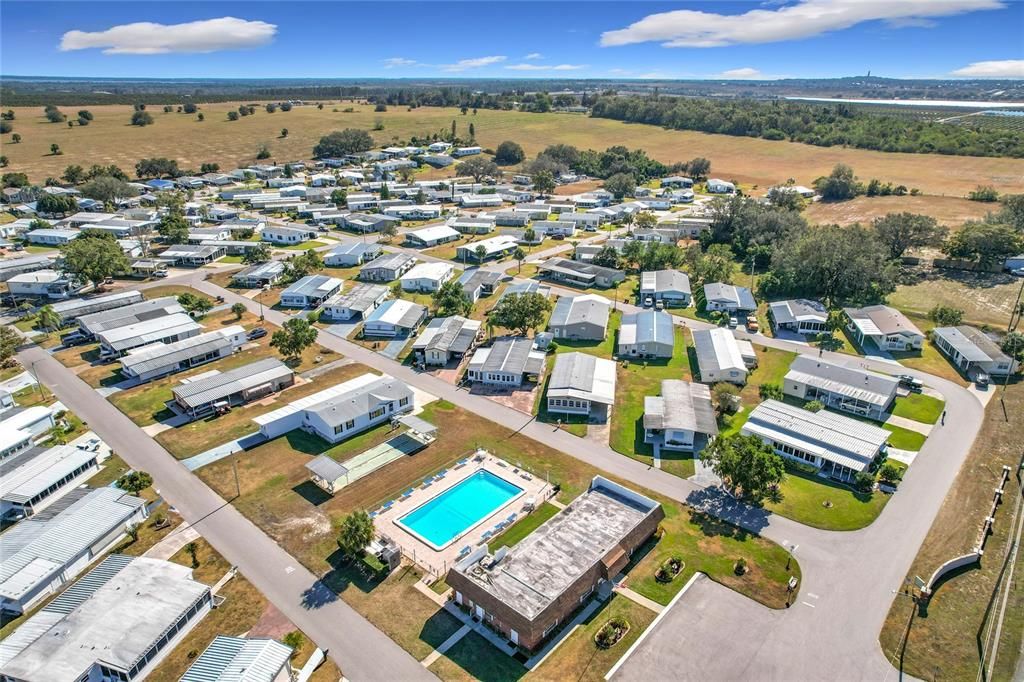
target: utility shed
<point>525,591</point>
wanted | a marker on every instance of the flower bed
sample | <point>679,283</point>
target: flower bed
<point>611,632</point>
<point>668,571</point>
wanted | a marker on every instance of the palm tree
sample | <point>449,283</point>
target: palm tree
<point>48,319</point>
<point>520,256</point>
<point>481,252</point>
<point>192,549</point>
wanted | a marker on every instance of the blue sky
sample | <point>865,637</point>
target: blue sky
<point>775,38</point>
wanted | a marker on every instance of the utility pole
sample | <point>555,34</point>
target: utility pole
<point>1015,315</point>
<point>234,468</point>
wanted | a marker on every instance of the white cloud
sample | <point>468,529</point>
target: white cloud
<point>393,62</point>
<point>545,67</point>
<point>999,68</point>
<point>208,35</point>
<point>475,63</point>
<point>807,18</point>
<point>745,72</point>
<point>534,55</point>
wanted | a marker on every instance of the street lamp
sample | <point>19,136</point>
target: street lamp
<point>264,289</point>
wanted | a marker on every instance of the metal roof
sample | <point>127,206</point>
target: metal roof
<point>212,388</point>
<point>69,310</point>
<point>849,442</point>
<point>36,548</point>
<point>583,376</point>
<point>327,468</point>
<point>433,232</point>
<point>577,269</point>
<point>313,285</point>
<point>130,314</point>
<point>860,384</point>
<point>360,401</point>
<point>971,344</point>
<point>681,405</point>
<point>165,354</point>
<point>272,268</point>
<point>512,355</point>
<point>239,659</point>
<point>359,298</point>
<point>647,327</point>
<point>664,281</point>
<point>454,334</point>
<point>25,477</point>
<point>432,271</point>
<point>389,261</point>
<point>717,350</point>
<point>147,331</point>
<point>881,319</point>
<point>113,617</point>
<point>798,310</point>
<point>398,312</point>
<point>587,309</point>
<point>354,248</point>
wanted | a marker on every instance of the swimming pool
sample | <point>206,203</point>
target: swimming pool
<point>442,519</point>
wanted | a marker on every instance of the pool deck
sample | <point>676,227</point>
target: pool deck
<point>438,561</point>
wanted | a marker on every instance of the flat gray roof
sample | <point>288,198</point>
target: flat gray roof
<point>130,314</point>
<point>162,355</point>
<point>539,569</point>
<point>361,297</point>
<point>39,547</point>
<point>454,334</point>
<point>647,327</point>
<point>798,309</point>
<point>664,281</point>
<point>113,615</point>
<point>681,405</point>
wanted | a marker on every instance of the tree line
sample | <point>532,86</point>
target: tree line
<point>817,124</point>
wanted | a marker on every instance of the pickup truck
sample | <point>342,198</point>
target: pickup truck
<point>752,324</point>
<point>910,383</point>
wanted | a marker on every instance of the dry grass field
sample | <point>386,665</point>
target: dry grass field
<point>110,139</point>
<point>949,211</point>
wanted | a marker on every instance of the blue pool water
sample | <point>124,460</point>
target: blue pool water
<point>456,510</point>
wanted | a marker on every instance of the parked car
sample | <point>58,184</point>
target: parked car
<point>733,322</point>
<point>256,333</point>
<point>160,273</point>
<point>659,304</point>
<point>74,338</point>
<point>752,323</point>
<point>648,301</point>
<point>911,383</point>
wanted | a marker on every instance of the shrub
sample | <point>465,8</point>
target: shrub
<point>770,392</point>
<point>740,568</point>
<point>611,632</point>
<point>813,406</point>
<point>864,482</point>
<point>669,569</point>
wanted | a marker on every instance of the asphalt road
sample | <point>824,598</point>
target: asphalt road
<point>361,650</point>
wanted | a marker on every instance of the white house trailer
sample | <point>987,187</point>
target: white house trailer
<point>728,298</point>
<point>35,479</point>
<point>433,235</point>
<point>387,268</point>
<point>38,556</point>
<point>310,291</point>
<point>445,338</point>
<point>886,327</point>
<point>972,351</point>
<point>350,253</point>
<point>358,301</point>
<point>43,284</point>
<point>670,286</point>
<point>860,391</point>
<point>508,362</point>
<point>839,446</point>
<point>581,384</point>
<point>680,416</point>
<point>396,317</point>
<point>646,334</point>
<point>493,247</point>
<point>427,277</point>
<point>160,359</point>
<point>277,234</point>
<point>51,237</point>
<point>94,323</point>
<point>340,412</point>
<point>799,315</point>
<point>466,151</point>
<point>259,659</point>
<point>719,357</point>
<point>116,623</point>
<point>165,329</point>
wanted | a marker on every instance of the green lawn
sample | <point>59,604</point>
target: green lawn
<point>474,658</point>
<point>711,546</point>
<point>919,407</point>
<point>633,383</point>
<point>904,439</point>
<point>804,499</point>
<point>602,349</point>
<point>520,529</point>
